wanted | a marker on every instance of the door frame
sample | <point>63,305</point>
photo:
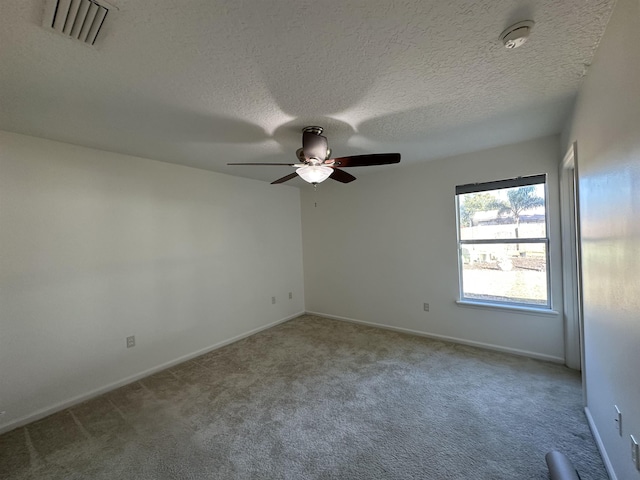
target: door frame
<point>571,261</point>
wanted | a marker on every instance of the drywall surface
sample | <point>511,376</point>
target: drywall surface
<point>376,249</point>
<point>606,126</point>
<point>97,246</point>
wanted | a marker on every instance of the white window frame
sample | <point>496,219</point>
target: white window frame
<point>497,185</point>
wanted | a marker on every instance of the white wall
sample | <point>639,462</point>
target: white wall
<point>376,249</point>
<point>97,246</point>
<point>606,126</point>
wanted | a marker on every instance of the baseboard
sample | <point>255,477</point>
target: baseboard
<point>435,336</point>
<point>45,412</point>
<point>600,444</point>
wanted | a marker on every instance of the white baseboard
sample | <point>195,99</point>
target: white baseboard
<point>45,412</point>
<point>600,444</point>
<point>462,341</point>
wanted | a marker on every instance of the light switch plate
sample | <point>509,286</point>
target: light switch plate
<point>618,420</point>
<point>635,452</point>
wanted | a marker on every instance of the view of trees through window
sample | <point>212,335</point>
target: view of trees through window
<point>503,242</point>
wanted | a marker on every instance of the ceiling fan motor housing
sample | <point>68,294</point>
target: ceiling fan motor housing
<point>317,149</point>
<point>300,155</point>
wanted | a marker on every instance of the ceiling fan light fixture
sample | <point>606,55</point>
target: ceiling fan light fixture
<point>314,173</point>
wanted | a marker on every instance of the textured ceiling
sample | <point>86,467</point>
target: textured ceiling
<point>203,83</point>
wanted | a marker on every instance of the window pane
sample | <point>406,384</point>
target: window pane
<point>511,273</point>
<point>505,213</point>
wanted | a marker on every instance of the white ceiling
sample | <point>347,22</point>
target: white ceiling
<point>203,83</point>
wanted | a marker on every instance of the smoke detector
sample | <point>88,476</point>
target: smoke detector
<point>516,35</point>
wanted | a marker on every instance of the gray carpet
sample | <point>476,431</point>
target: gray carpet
<point>320,399</point>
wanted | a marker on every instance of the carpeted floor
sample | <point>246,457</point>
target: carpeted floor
<point>320,399</point>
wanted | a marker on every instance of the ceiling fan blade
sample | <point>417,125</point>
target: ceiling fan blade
<point>314,146</point>
<point>283,164</point>
<point>341,176</point>
<point>367,160</point>
<point>285,178</point>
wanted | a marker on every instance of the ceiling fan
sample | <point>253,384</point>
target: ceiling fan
<point>316,165</point>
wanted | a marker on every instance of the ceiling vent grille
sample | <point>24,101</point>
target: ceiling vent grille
<point>78,19</point>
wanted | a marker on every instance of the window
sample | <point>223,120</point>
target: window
<point>503,242</point>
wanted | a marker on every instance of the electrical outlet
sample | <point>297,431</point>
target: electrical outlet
<point>290,295</point>
<point>618,420</point>
<point>131,341</point>
<point>635,452</point>
<point>426,307</point>
<point>273,300</point>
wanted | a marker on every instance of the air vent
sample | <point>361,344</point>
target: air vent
<point>78,19</point>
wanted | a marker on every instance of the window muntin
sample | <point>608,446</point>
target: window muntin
<point>503,242</point>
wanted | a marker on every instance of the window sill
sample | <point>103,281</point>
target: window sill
<point>513,308</point>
